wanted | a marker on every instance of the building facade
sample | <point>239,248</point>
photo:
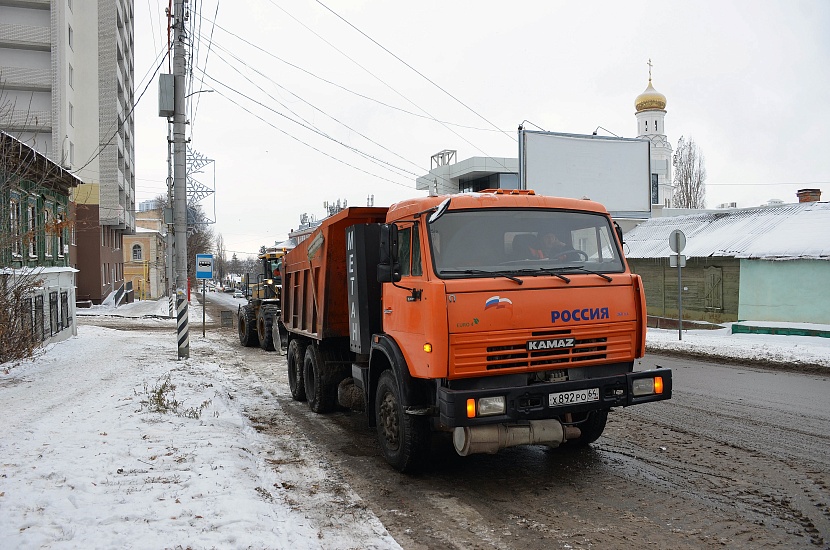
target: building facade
<point>145,257</point>
<point>66,89</point>
<point>36,280</point>
<point>768,263</point>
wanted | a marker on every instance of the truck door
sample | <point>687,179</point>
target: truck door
<point>403,307</point>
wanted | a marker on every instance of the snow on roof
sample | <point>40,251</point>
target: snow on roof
<point>786,232</point>
<point>35,271</point>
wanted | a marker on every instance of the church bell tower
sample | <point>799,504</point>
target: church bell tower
<point>651,113</point>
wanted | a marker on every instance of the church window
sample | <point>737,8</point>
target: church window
<point>646,126</point>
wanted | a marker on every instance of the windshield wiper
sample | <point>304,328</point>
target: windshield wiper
<point>586,270</point>
<point>542,271</point>
<point>484,272</point>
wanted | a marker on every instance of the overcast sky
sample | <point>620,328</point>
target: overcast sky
<point>748,81</point>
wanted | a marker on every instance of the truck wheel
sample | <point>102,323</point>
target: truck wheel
<point>321,395</point>
<point>404,439</point>
<point>296,356</point>
<point>592,427</point>
<point>264,322</point>
<point>247,327</point>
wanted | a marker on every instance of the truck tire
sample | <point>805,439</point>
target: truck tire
<point>404,438</point>
<point>321,394</point>
<point>264,323</point>
<point>247,327</point>
<point>592,427</point>
<point>296,356</point>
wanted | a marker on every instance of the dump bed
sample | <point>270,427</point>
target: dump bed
<point>314,294</point>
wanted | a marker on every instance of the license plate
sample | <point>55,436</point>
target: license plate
<point>573,397</point>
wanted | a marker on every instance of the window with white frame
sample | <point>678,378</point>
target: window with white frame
<point>71,36</point>
<point>47,232</point>
<point>71,114</point>
<point>14,226</point>
<point>61,232</point>
<point>71,76</point>
<point>137,256</point>
<point>32,230</point>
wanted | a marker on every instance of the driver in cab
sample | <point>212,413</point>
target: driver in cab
<point>553,246</point>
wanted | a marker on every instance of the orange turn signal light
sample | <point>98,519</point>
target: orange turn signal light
<point>471,408</point>
<point>658,384</point>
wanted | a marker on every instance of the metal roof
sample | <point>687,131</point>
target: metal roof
<point>785,232</point>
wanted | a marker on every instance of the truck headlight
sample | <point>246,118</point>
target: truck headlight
<point>489,406</point>
<point>647,386</point>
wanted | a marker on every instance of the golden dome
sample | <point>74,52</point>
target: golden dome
<point>650,99</point>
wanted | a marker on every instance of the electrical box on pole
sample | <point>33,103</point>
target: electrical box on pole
<point>166,108</point>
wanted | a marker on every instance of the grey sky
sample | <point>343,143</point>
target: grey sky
<point>748,81</point>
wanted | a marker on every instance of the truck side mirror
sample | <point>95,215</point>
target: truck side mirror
<point>389,269</point>
<point>619,232</point>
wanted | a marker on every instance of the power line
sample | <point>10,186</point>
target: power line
<point>207,57</point>
<point>375,160</point>
<point>315,108</point>
<point>348,90</point>
<point>121,122</point>
<point>301,141</point>
<point>419,73</point>
<point>383,82</point>
<point>775,183</point>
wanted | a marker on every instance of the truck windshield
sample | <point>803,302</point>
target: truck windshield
<point>473,243</point>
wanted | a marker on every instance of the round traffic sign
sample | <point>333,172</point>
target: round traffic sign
<point>677,241</point>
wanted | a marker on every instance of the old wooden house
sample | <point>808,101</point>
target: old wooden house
<point>768,263</point>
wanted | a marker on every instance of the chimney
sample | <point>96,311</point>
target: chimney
<point>808,195</point>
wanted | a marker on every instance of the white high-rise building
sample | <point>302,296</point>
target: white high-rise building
<point>651,114</point>
<point>66,89</point>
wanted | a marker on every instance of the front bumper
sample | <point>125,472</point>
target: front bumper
<point>532,402</point>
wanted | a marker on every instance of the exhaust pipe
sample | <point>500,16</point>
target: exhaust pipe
<point>492,438</point>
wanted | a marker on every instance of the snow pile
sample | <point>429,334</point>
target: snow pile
<point>721,343</point>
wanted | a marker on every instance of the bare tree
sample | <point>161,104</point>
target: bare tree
<point>219,259</point>
<point>689,175</point>
<point>200,237</point>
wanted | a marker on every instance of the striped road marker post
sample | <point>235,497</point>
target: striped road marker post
<point>172,305</point>
<point>182,329</point>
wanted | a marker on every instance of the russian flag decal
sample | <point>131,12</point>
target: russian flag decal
<point>497,302</point>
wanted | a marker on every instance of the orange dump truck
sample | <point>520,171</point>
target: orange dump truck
<point>449,314</point>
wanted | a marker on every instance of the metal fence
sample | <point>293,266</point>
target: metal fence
<point>33,317</point>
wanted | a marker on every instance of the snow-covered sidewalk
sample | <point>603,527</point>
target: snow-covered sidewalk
<point>110,442</point>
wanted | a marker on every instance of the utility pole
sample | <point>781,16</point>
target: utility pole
<point>180,179</point>
<point>168,219</point>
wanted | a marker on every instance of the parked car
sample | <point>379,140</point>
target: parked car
<point>238,294</point>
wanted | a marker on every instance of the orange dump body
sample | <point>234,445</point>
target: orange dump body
<point>314,300</point>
